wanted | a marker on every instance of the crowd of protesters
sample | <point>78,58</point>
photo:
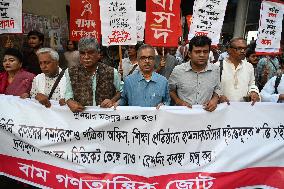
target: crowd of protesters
<point>193,73</point>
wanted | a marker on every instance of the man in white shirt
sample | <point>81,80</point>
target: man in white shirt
<point>273,90</point>
<point>43,83</point>
<point>237,75</point>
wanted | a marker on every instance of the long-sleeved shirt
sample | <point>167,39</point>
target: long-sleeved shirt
<point>139,92</point>
<point>267,93</point>
<point>237,83</point>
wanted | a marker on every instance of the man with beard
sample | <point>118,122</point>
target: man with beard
<point>237,75</point>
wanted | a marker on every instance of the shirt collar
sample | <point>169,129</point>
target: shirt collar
<point>59,71</point>
<point>240,65</point>
<point>154,76</point>
<point>188,67</point>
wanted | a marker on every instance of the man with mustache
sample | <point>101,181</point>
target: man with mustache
<point>91,82</point>
<point>145,87</point>
<point>237,75</point>
<point>197,81</point>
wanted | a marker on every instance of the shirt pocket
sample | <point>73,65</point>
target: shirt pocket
<point>156,97</point>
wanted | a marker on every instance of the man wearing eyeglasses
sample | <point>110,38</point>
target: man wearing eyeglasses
<point>237,75</point>
<point>145,87</point>
<point>91,83</point>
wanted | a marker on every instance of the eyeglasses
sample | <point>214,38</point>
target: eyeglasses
<point>239,48</point>
<point>147,58</point>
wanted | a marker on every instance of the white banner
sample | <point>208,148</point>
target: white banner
<point>141,20</point>
<point>11,16</point>
<point>118,18</point>
<point>270,27</point>
<point>142,146</point>
<point>207,19</point>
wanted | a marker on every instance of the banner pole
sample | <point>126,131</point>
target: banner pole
<point>120,57</point>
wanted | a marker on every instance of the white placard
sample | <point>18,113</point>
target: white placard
<point>207,19</point>
<point>11,16</point>
<point>118,19</point>
<point>270,27</point>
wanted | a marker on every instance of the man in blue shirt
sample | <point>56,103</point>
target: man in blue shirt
<point>145,87</point>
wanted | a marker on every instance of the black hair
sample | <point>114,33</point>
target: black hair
<point>14,52</point>
<point>137,46</point>
<point>199,41</point>
<point>251,50</point>
<point>75,44</point>
<point>37,33</point>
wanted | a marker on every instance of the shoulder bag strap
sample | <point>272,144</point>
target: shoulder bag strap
<point>221,69</point>
<point>277,81</point>
<point>132,70</point>
<point>272,63</point>
<point>56,84</point>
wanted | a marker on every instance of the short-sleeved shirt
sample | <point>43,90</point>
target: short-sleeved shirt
<point>195,87</point>
<point>139,92</point>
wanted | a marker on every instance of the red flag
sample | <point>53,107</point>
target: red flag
<point>85,19</point>
<point>189,19</point>
<point>163,26</point>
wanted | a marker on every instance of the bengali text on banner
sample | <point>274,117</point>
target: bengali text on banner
<point>236,146</point>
